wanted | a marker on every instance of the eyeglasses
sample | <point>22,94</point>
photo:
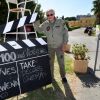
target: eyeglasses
<point>50,15</point>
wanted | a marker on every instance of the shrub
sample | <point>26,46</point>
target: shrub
<point>79,51</point>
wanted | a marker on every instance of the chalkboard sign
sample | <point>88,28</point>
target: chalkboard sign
<point>24,66</point>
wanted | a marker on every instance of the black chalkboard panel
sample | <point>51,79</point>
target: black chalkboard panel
<point>23,67</point>
<point>9,85</point>
<point>34,73</point>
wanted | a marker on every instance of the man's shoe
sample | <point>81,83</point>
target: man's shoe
<point>64,80</point>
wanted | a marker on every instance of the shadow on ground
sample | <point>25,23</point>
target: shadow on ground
<point>89,79</point>
<point>52,92</point>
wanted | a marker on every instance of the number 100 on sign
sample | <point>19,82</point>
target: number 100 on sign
<point>7,57</point>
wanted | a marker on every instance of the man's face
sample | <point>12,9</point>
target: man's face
<point>50,16</point>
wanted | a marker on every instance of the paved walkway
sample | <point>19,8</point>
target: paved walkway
<point>85,87</point>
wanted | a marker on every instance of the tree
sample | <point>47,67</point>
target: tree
<point>40,15</point>
<point>3,12</point>
<point>70,18</point>
<point>96,10</point>
<point>13,16</point>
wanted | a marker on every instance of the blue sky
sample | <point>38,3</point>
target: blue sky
<point>68,8</point>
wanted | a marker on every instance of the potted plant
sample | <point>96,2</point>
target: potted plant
<point>80,58</point>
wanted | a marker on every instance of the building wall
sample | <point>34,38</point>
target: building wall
<point>83,22</point>
<point>74,23</point>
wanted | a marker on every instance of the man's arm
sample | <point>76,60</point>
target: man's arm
<point>65,33</point>
<point>39,27</point>
<point>65,37</point>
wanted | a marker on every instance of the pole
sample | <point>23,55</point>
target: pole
<point>97,49</point>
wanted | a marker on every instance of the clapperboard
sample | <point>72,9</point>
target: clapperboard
<point>17,23</point>
<point>24,65</point>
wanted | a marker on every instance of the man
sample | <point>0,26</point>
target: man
<point>57,38</point>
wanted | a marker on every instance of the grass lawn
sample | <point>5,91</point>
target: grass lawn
<point>68,64</point>
<point>55,91</point>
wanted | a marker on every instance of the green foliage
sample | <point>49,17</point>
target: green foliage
<point>96,10</point>
<point>3,12</point>
<point>70,18</point>
<point>68,64</point>
<point>40,34</point>
<point>73,28</point>
<point>79,51</point>
<point>40,15</point>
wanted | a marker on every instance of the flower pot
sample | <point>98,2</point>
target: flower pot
<point>80,66</point>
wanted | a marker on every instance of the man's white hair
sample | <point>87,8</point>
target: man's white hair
<point>50,10</point>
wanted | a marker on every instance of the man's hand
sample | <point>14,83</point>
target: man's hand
<point>65,47</point>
